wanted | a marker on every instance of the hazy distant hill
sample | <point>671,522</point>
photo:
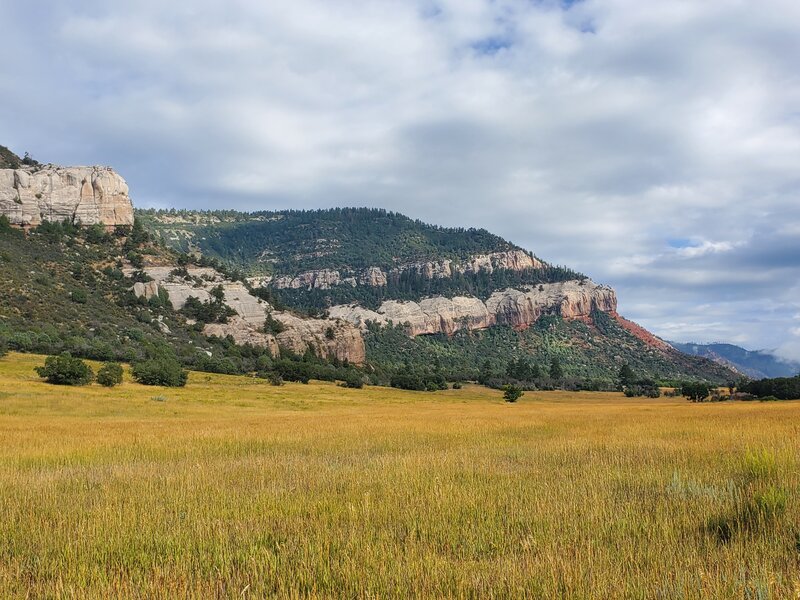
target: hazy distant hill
<point>753,363</point>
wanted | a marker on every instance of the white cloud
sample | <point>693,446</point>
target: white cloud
<point>593,135</point>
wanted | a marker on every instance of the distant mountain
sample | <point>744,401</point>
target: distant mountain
<point>756,364</point>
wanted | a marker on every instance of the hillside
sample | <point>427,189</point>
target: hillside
<point>321,258</point>
<point>756,364</point>
<point>424,295</point>
<point>245,292</point>
<point>88,291</point>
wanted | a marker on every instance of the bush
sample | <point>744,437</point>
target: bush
<point>273,326</point>
<point>407,381</point>
<point>457,385</point>
<point>512,393</point>
<point>78,296</point>
<point>110,374</point>
<point>275,379</point>
<point>160,371</point>
<point>643,387</point>
<point>64,369</point>
<point>696,391</point>
<point>354,380</point>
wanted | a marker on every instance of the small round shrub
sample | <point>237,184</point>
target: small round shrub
<point>160,371</point>
<point>65,369</point>
<point>354,380</point>
<point>110,374</point>
<point>512,393</point>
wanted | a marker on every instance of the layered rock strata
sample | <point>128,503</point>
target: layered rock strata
<point>325,279</point>
<point>518,308</point>
<point>89,195</point>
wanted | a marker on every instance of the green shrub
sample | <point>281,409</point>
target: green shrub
<point>512,393</point>
<point>273,326</point>
<point>160,371</point>
<point>275,379</point>
<point>110,374</point>
<point>354,380</point>
<point>64,369</point>
<point>696,391</point>
<point>78,296</point>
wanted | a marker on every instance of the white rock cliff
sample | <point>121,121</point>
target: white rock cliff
<point>90,195</point>
<point>519,308</point>
<point>328,338</point>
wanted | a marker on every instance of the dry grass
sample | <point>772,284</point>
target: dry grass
<point>233,488</point>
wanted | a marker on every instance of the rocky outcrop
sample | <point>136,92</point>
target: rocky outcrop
<point>90,195</point>
<point>325,279</point>
<point>373,277</point>
<point>243,333</point>
<point>322,279</point>
<point>518,308</point>
<point>328,338</point>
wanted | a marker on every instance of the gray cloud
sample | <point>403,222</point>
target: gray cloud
<point>652,146</point>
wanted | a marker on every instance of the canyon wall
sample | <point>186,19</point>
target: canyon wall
<point>518,308</point>
<point>90,195</point>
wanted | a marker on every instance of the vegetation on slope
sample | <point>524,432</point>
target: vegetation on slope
<point>337,238</point>
<point>9,160</point>
<point>588,357</point>
<point>347,240</point>
<point>64,291</point>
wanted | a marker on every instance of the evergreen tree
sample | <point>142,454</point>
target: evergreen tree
<point>556,372</point>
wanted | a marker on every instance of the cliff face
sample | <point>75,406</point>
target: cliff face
<point>90,195</point>
<point>325,279</point>
<point>518,308</point>
<point>328,338</point>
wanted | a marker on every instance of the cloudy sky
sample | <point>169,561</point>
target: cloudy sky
<point>652,145</point>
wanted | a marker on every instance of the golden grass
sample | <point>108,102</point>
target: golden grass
<point>233,488</point>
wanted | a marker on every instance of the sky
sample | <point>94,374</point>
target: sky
<point>654,146</point>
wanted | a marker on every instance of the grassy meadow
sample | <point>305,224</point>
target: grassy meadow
<point>233,488</point>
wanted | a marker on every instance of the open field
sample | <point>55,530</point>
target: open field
<point>233,488</point>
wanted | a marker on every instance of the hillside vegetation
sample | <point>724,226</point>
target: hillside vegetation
<point>234,488</point>
<point>291,241</point>
<point>590,357</point>
<point>64,289</point>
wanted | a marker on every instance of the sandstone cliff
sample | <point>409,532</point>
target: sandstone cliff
<point>90,195</point>
<point>328,338</point>
<point>518,308</point>
<point>324,279</point>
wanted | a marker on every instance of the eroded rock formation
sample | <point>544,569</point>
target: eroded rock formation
<point>518,308</point>
<point>90,195</point>
<point>325,279</point>
<point>328,338</point>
